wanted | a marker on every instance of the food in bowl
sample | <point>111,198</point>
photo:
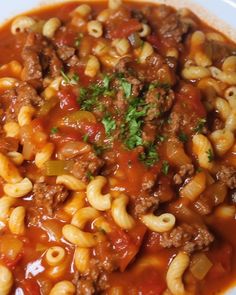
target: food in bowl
<point>117,152</point>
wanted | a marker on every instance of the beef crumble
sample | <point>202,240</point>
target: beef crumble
<point>227,174</point>
<point>49,196</point>
<point>189,238</point>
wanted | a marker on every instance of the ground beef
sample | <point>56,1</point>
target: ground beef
<point>149,131</point>
<point>160,101</point>
<point>23,95</point>
<point>124,64</point>
<point>157,70</point>
<point>137,14</point>
<point>227,174</point>
<point>48,196</point>
<point>189,238</point>
<point>32,71</point>
<point>184,171</point>
<point>8,144</point>
<point>85,165</point>
<point>173,28</point>
<point>65,52</point>
<point>144,204</point>
<point>52,63</point>
<point>120,102</point>
<point>220,51</point>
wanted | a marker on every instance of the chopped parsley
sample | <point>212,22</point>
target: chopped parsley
<point>73,80</point>
<point>78,40</point>
<point>127,87</point>
<point>164,86</point>
<point>200,125</point>
<point>106,82</point>
<point>85,137</point>
<point>89,175</point>
<point>98,149</point>
<point>89,97</point>
<point>210,155</point>
<point>109,124</point>
<point>150,156</point>
<point>131,127</point>
<point>54,130</point>
<point>183,137</point>
<point>165,167</point>
<point>161,138</point>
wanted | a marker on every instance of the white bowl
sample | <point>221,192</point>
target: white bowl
<point>208,10</point>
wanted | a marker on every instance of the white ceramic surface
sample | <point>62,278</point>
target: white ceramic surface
<point>219,13</point>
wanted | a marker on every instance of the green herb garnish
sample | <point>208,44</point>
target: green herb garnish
<point>165,167</point>
<point>54,130</point>
<point>200,125</point>
<point>183,137</point>
<point>150,156</point>
<point>210,155</point>
<point>109,124</point>
<point>72,80</point>
<point>85,137</point>
<point>78,40</point>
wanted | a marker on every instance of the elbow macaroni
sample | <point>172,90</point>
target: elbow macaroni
<point>18,190</point>
<point>95,197</point>
<point>63,288</point>
<point>203,149</point>
<point>17,221</point>
<point>51,26</point>
<point>119,213</point>
<point>8,171</point>
<point>160,224</point>
<point>84,215</point>
<point>25,115</point>
<point>6,280</point>
<point>44,155</point>
<point>55,255</point>
<point>80,238</point>
<point>71,182</point>
<point>175,273</point>
<point>81,259</point>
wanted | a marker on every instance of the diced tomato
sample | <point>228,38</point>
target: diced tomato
<point>221,259</point>
<point>190,97</point>
<point>126,245</point>
<point>154,41</point>
<point>125,29</point>
<point>30,287</point>
<point>66,134</point>
<point>11,263</point>
<point>95,131</point>
<point>151,283</point>
<point>68,100</point>
<point>84,80</point>
<point>65,38</point>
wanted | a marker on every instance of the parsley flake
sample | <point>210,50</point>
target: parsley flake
<point>165,167</point>
<point>200,125</point>
<point>150,156</point>
<point>72,80</point>
<point>78,40</point>
<point>183,137</point>
<point>109,124</point>
<point>127,87</point>
<point>210,155</point>
<point>54,130</point>
<point>85,137</point>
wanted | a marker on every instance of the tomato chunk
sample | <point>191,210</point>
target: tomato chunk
<point>221,258</point>
<point>125,29</point>
<point>126,245</point>
<point>68,100</point>
<point>30,287</point>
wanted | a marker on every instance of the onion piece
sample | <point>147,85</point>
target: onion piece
<point>200,266</point>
